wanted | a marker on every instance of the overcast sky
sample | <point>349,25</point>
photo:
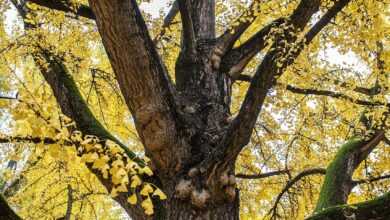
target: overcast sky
<point>155,6</point>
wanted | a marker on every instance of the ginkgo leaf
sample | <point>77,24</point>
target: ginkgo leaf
<point>147,204</point>
<point>135,181</point>
<point>90,157</point>
<point>146,170</point>
<point>146,190</point>
<point>160,194</point>
<point>132,199</point>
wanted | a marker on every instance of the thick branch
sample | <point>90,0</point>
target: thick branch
<point>73,105</point>
<point>81,10</point>
<point>142,77</point>
<point>236,59</point>
<point>338,181</point>
<point>6,211</point>
<point>168,20</point>
<point>226,40</point>
<point>378,209</point>
<point>272,66</point>
<point>203,17</point>
<point>70,100</point>
<point>188,35</point>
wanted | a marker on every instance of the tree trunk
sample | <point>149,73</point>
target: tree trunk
<point>186,128</point>
<point>181,210</point>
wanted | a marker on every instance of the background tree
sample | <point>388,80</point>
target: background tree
<point>213,94</point>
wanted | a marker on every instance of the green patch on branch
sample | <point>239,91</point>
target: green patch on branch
<point>87,122</point>
<point>378,209</point>
<point>336,174</point>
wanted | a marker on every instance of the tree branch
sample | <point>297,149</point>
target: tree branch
<point>226,41</point>
<point>338,181</point>
<point>236,59</point>
<point>291,183</point>
<point>378,209</point>
<point>168,20</point>
<point>333,95</point>
<point>6,211</point>
<point>261,175</point>
<point>73,105</point>
<point>69,207</point>
<point>189,38</point>
<point>143,80</point>
<point>375,90</point>
<point>27,139</point>
<point>371,180</point>
<point>203,17</point>
<point>284,51</point>
<point>7,97</point>
<point>272,66</point>
<point>81,10</point>
<point>86,12</point>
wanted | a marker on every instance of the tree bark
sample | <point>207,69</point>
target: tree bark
<point>6,211</point>
<point>179,210</point>
<point>338,180</point>
<point>378,209</point>
<point>186,128</point>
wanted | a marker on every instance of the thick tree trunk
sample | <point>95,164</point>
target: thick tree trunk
<point>180,210</point>
<point>186,128</point>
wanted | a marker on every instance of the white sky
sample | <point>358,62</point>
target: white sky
<point>155,6</point>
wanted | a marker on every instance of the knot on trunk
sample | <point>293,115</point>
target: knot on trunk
<point>228,184</point>
<point>184,188</point>
<point>199,198</point>
<point>201,189</point>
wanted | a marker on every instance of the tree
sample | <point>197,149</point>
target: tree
<point>193,125</point>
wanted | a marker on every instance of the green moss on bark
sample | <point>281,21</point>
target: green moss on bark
<point>72,102</point>
<point>87,121</point>
<point>378,209</point>
<point>338,175</point>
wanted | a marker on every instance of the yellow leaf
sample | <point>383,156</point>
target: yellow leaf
<point>147,204</point>
<point>146,190</point>
<point>147,171</point>
<point>54,151</point>
<point>135,181</point>
<point>132,199</point>
<point>160,194</point>
<point>90,157</point>
<point>122,188</point>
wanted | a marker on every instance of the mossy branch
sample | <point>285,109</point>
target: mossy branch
<point>338,181</point>
<point>71,101</point>
<point>378,209</point>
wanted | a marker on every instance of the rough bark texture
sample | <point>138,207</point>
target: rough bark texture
<point>177,209</point>
<point>143,80</point>
<point>186,128</point>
